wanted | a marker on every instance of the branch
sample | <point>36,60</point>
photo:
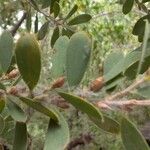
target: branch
<point>18,24</point>
<point>126,103</point>
<point>125,91</point>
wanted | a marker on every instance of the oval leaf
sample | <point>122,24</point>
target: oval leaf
<point>6,50</point>
<point>55,36</point>
<point>131,136</point>
<point>56,8</point>
<point>43,31</point>
<point>83,18</point>
<point>59,58</point>
<point>21,137</point>
<point>72,11</point>
<point>28,59</point>
<point>108,124</point>
<point>14,110</point>
<point>40,108</point>
<point>57,136</point>
<point>82,105</point>
<point>78,54</point>
<point>127,6</point>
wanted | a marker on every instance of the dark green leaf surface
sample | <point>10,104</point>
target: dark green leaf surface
<point>57,136</point>
<point>28,59</point>
<point>43,31</point>
<point>127,6</point>
<point>6,50</point>
<point>78,54</point>
<point>83,18</point>
<point>20,140</point>
<point>56,8</point>
<point>2,104</point>
<point>40,108</point>
<point>131,136</point>
<point>55,36</point>
<point>72,11</point>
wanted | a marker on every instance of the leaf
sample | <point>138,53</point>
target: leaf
<point>59,58</point>
<point>40,108</point>
<point>82,105</point>
<point>29,21</point>
<point>28,59</point>
<point>55,36</point>
<point>2,104</point>
<point>144,1</point>
<point>56,8</point>
<point>14,110</point>
<point>78,55</point>
<point>2,124</point>
<point>72,11</point>
<point>43,31</point>
<point>57,136</point>
<point>144,91</point>
<point>131,136</point>
<point>113,65</point>
<point>83,18</point>
<point>45,3</point>
<point>6,50</point>
<point>107,124</point>
<point>127,6</point>
<point>2,86</point>
<point>21,137</point>
<point>36,23</point>
<point>67,32</point>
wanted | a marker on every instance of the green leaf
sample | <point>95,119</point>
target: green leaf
<point>36,23</point>
<point>55,36</point>
<point>83,105</point>
<point>29,21</point>
<point>14,110</point>
<point>56,8</point>
<point>2,104</point>
<point>57,136</point>
<point>2,124</point>
<point>6,50</point>
<point>21,137</point>
<point>2,86</point>
<point>113,65</point>
<point>46,3</point>
<point>144,91</point>
<point>131,136</point>
<point>83,18</point>
<point>67,32</point>
<point>43,31</point>
<point>59,58</point>
<point>107,124</point>
<point>40,108</point>
<point>127,6</point>
<point>144,1</point>
<point>72,11</point>
<point>28,59</point>
<point>78,54</point>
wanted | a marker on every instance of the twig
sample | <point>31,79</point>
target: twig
<point>18,24</point>
<point>125,91</point>
<point>125,103</point>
